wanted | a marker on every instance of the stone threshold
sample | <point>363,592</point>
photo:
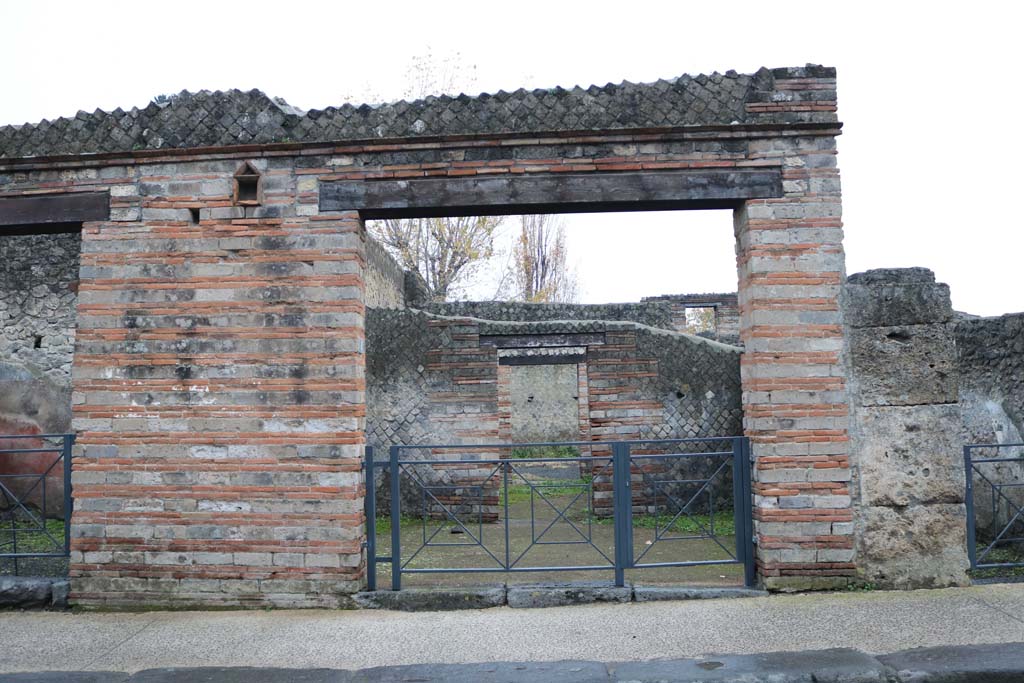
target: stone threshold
<point>33,592</point>
<point>957,664</point>
<point>537,595</point>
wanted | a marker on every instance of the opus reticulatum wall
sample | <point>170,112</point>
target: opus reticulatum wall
<point>218,381</point>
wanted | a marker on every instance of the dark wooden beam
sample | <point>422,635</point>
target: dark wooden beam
<point>527,341</point>
<point>560,359</point>
<point>46,209</point>
<point>710,188</point>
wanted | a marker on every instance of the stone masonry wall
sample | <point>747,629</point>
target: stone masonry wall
<point>217,389</point>
<point>727,313</point>
<point>545,403</point>
<point>433,379</point>
<point>907,429</point>
<point>655,314</point>
<point>385,279</point>
<point>990,358</point>
<point>38,290</point>
<point>222,363</point>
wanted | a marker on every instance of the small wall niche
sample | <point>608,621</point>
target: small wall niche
<point>248,186</point>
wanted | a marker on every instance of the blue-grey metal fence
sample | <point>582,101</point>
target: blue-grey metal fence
<point>483,498</point>
<point>31,466</point>
<point>1004,525</point>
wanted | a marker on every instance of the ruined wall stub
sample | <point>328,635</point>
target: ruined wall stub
<point>909,486</point>
<point>218,374</point>
<point>726,319</point>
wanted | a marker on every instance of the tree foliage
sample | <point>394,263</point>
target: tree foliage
<point>700,319</point>
<point>444,251</point>
<point>540,268</point>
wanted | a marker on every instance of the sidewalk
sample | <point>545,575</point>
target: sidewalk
<point>874,623</point>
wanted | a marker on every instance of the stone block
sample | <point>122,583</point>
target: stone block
<point>799,584</point>
<point>904,365</point>
<point>657,593</point>
<point>920,546</point>
<point>433,599</point>
<point>543,595</point>
<point>25,592</point>
<point>882,305</point>
<point>910,455</point>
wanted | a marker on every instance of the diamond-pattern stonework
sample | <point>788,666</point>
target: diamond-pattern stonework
<point>235,117</point>
<point>433,379</point>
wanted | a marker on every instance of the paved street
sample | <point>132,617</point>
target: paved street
<point>873,622</point>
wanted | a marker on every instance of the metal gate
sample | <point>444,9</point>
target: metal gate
<point>994,498</point>
<point>35,503</point>
<point>460,498</point>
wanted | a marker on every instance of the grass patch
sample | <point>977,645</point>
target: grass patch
<point>31,540</point>
<point>724,523</point>
<point>520,493</point>
<point>996,556</point>
<point>546,452</point>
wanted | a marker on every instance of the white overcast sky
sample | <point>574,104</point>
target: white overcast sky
<point>929,94</point>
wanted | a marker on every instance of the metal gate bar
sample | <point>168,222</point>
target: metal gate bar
<point>15,501</point>
<point>971,468</point>
<point>504,470</point>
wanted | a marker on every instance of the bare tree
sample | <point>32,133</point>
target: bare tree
<point>540,269</point>
<point>446,252</point>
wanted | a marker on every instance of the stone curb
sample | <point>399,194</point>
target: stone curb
<point>31,592</point>
<point>536,595</point>
<point>956,664</point>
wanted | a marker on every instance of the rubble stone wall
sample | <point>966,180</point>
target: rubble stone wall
<point>654,314</point>
<point>38,290</point>
<point>385,279</point>
<point>990,357</point>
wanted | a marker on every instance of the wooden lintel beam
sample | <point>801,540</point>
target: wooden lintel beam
<point>72,207</point>
<point>552,193</point>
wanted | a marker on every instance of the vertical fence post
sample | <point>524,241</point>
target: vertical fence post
<point>69,441</point>
<point>972,548</point>
<point>396,519</point>
<point>739,508</point>
<point>508,532</point>
<point>747,494</point>
<point>370,508</point>
<point>622,509</point>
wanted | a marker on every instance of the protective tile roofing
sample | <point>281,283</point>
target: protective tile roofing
<point>234,117</point>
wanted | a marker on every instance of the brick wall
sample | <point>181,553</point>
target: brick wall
<point>218,390</point>
<point>219,366</point>
<point>796,409</point>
